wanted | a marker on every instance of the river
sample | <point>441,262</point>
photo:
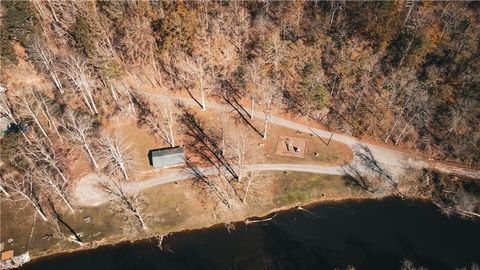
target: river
<point>368,235</point>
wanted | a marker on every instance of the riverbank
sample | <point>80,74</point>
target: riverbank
<point>365,234</point>
<point>262,217</point>
<point>176,207</point>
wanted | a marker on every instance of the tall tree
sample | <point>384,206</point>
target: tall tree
<point>116,155</point>
<point>79,129</point>
<point>269,94</point>
<point>46,60</point>
<point>128,203</point>
<point>81,79</point>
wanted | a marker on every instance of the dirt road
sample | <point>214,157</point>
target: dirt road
<point>392,160</point>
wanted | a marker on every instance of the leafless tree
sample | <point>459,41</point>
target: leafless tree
<point>29,107</point>
<point>366,78</point>
<point>205,145</point>
<point>79,129</point>
<point>354,175</point>
<point>28,191</point>
<point>41,154</point>
<point>116,155</point>
<point>79,76</point>
<point>242,149</point>
<point>369,162</point>
<point>128,202</point>
<point>137,43</point>
<point>239,27</point>
<point>58,222</point>
<point>254,188</point>
<point>458,202</point>
<point>3,182</point>
<point>168,122</point>
<point>408,265</point>
<point>276,52</point>
<point>47,61</point>
<point>223,118</point>
<point>254,78</point>
<point>269,96</point>
<point>196,72</point>
<point>46,107</point>
<point>161,117</point>
<point>51,182</point>
<point>216,186</point>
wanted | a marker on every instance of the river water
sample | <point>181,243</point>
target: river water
<point>368,235</point>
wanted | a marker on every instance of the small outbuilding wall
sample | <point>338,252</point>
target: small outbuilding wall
<point>166,157</point>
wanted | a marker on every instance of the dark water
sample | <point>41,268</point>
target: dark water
<point>367,235</point>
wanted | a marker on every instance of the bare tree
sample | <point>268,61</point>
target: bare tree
<point>276,52</point>
<point>369,162</point>
<point>353,174</point>
<point>197,72</point>
<point>241,149</point>
<point>28,191</point>
<point>53,183</point>
<point>161,118</point>
<point>408,265</point>
<point>79,128</point>
<point>269,96</point>
<point>205,145</point>
<point>254,76</point>
<point>46,106</point>
<point>458,202</point>
<point>168,122</point>
<point>239,27</point>
<point>116,155</point>
<point>79,76</point>
<point>128,202</point>
<point>136,43</point>
<point>223,118</point>
<point>216,186</point>
<point>254,188</point>
<point>26,101</point>
<point>46,59</point>
<point>43,155</point>
<point>3,182</point>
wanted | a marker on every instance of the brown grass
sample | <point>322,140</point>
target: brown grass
<point>333,153</point>
<point>171,207</point>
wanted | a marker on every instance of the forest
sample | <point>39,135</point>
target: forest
<point>398,73</point>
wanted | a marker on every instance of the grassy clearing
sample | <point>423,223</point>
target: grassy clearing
<point>294,188</point>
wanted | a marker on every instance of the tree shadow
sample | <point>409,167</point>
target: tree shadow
<point>238,108</point>
<point>58,218</point>
<point>193,97</point>
<point>204,144</point>
<point>353,176</point>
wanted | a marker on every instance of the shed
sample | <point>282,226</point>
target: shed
<point>166,157</point>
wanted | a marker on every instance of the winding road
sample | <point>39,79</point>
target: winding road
<point>87,194</point>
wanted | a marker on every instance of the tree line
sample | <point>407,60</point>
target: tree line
<point>403,73</point>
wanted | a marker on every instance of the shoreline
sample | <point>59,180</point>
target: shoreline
<point>264,215</point>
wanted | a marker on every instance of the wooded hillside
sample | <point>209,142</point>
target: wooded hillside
<point>398,72</point>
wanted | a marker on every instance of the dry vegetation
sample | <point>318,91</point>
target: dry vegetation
<point>80,76</point>
<point>173,207</point>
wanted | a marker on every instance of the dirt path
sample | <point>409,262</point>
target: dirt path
<point>87,194</point>
<point>392,160</point>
